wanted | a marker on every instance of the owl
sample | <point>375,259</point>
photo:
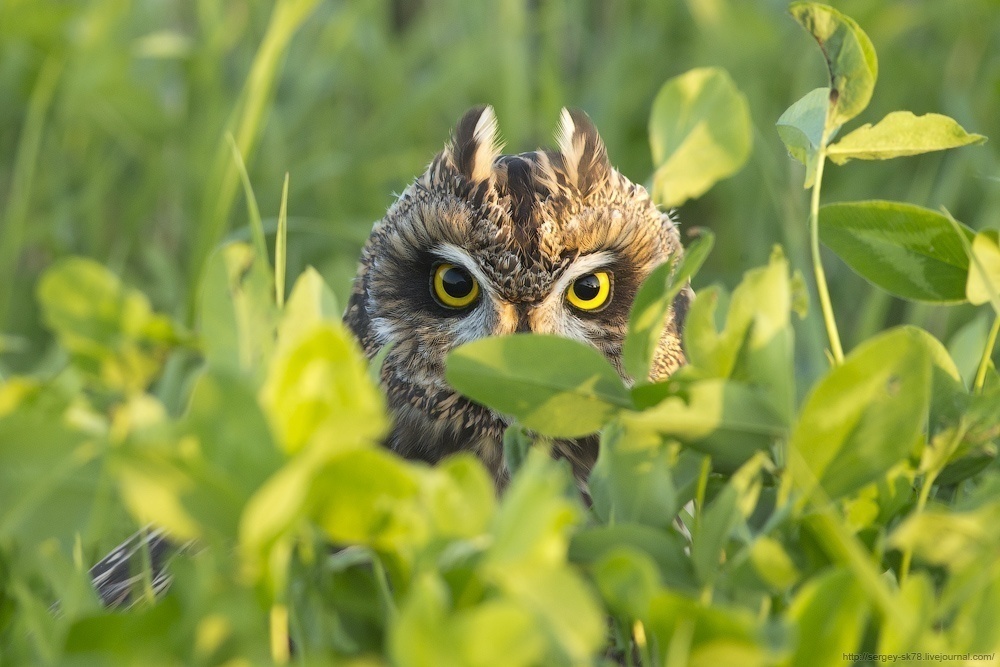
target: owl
<point>489,244</point>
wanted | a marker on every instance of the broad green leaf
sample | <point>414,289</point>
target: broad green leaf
<point>459,497</point>
<point>899,134</point>
<point>627,579</point>
<point>718,634</point>
<point>951,539</point>
<point>699,132</point>
<point>910,251</point>
<point>310,302</point>
<point>553,385</point>
<point>727,420</point>
<point>773,564</point>
<point>864,416</point>
<point>49,478</point>
<point>850,58</point>
<point>981,289</point>
<point>370,497</point>
<point>830,611</point>
<point>665,547</point>
<point>631,481</point>
<point>652,305</point>
<point>318,390</point>
<point>801,129</point>
<point>755,347</point>
<point>429,633</point>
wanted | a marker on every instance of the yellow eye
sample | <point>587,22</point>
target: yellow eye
<point>453,286</point>
<point>591,291</point>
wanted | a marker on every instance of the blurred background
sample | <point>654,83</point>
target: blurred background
<point>113,116</point>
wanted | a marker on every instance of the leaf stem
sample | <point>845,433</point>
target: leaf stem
<point>904,566</point>
<point>984,363</point>
<point>279,634</point>
<point>821,287</point>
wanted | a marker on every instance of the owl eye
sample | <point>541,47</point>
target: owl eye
<point>453,287</point>
<point>591,291</point>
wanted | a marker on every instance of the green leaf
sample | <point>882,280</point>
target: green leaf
<point>909,251</point>
<point>652,305</point>
<point>981,288</point>
<point>631,481</point>
<point>864,416</point>
<point>370,497</point>
<point>665,547</point>
<point>755,347</point>
<point>699,132</point>
<point>830,612</point>
<point>727,510</point>
<point>801,129</point>
<point>773,564</point>
<point>627,579</point>
<point>111,331</point>
<point>850,58</point>
<point>553,385</point>
<point>899,134</point>
<point>318,391</point>
<point>727,420</point>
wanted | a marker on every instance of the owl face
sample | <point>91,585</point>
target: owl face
<point>485,244</point>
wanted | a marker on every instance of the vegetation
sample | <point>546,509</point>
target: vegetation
<point>835,506</point>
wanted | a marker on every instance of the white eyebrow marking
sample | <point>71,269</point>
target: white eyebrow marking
<point>456,255</point>
<point>580,267</point>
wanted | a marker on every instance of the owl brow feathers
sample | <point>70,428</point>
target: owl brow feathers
<point>584,157</point>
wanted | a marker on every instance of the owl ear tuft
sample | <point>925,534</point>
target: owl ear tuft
<point>584,157</point>
<point>475,144</point>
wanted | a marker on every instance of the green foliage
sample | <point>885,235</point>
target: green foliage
<point>699,131</point>
<point>756,508</point>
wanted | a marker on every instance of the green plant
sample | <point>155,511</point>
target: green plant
<point>858,519</point>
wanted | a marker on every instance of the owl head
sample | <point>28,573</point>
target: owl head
<point>486,244</point>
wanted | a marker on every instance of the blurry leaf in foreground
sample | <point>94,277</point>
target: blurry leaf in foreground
<point>556,386</point>
<point>986,248</point>
<point>318,387</point>
<point>850,58</point>
<point>899,134</point>
<point>110,330</point>
<point>830,611</point>
<point>907,250</point>
<point>801,129</point>
<point>699,132</point>
<point>652,303</point>
<point>864,416</point>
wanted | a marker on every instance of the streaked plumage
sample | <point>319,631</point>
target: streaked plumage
<point>524,226</point>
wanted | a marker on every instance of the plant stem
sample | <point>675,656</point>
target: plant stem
<point>279,634</point>
<point>821,287</point>
<point>984,363</point>
<point>925,490</point>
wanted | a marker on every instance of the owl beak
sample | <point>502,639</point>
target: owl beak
<point>514,318</point>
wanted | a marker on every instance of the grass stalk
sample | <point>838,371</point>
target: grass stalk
<point>984,363</point>
<point>25,164</point>
<point>281,247</point>
<point>256,226</point>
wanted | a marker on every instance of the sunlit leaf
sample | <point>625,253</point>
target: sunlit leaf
<point>850,58</point>
<point>830,611</point>
<point>700,133</point>
<point>864,416</point>
<point>899,134</point>
<point>653,303</point>
<point>553,385</point>
<point>981,289</point>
